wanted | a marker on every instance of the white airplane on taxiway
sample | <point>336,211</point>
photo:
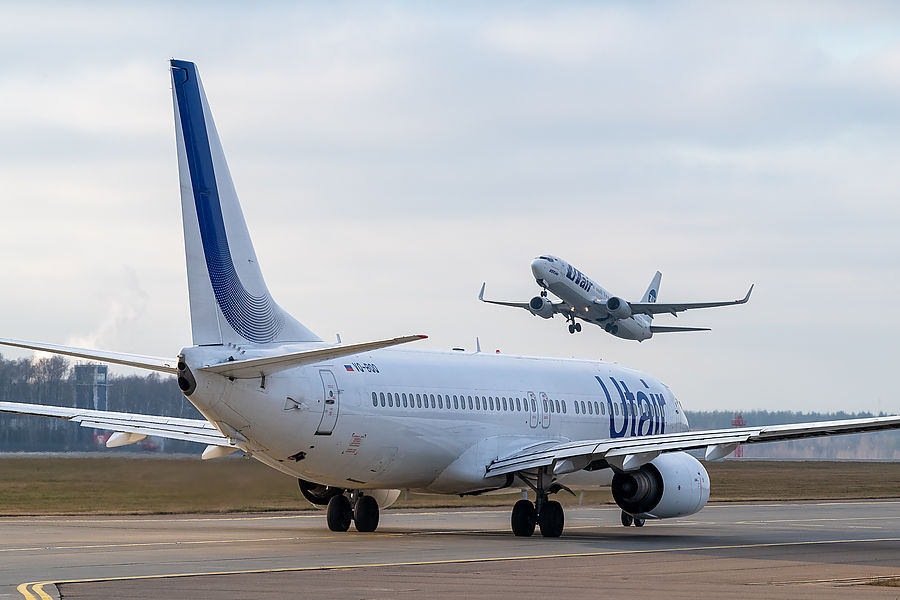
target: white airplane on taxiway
<point>583,299</point>
<point>357,423</point>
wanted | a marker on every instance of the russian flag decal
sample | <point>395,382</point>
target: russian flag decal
<point>348,367</point>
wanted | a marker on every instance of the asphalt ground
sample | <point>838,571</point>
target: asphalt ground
<point>792,550</point>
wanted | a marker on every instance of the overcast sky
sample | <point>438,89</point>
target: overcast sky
<point>391,157</point>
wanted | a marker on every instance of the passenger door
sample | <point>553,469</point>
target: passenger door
<point>331,404</point>
<point>531,401</point>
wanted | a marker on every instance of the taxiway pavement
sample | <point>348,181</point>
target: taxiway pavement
<point>792,550</point>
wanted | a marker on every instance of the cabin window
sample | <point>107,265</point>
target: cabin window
<point>583,408</point>
<point>518,406</point>
<point>471,406</point>
<point>419,401</point>
<point>617,408</point>
<point>381,396</point>
<point>441,401</point>
<point>455,402</point>
<point>374,399</point>
<point>533,406</point>
<point>557,404</point>
<point>478,403</point>
<point>564,406</point>
<point>390,399</point>
<point>577,412</point>
<point>504,403</point>
<point>405,405</point>
<point>433,405</point>
<point>590,408</point>
<point>602,409</point>
<point>491,402</point>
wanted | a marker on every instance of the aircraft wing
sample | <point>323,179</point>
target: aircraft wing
<point>632,452</point>
<point>558,307</point>
<point>189,430</point>
<point>655,308</point>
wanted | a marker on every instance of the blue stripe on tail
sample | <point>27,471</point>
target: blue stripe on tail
<point>256,318</point>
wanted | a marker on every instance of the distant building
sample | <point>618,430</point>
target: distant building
<point>91,386</point>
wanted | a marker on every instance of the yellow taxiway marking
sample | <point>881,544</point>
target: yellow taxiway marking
<point>193,542</point>
<point>816,519</point>
<point>38,586</point>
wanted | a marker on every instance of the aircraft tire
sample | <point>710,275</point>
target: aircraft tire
<point>571,329</point>
<point>552,519</point>
<point>365,515</point>
<point>339,513</point>
<point>638,522</point>
<point>627,519</point>
<point>523,518</point>
<point>577,326</point>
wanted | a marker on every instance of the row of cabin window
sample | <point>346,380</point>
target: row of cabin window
<point>460,402</point>
<point>486,403</point>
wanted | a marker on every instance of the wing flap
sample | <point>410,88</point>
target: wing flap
<point>543,456</point>
<point>266,365</point>
<point>189,430</point>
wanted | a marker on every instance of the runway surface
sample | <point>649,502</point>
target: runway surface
<point>774,550</point>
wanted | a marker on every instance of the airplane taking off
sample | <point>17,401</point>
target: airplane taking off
<point>357,423</point>
<point>583,299</point>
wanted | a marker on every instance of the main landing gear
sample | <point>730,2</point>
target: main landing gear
<point>545,513</point>
<point>360,509</point>
<point>628,520</point>
<point>573,326</point>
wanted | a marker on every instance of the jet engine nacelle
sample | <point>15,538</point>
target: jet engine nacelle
<point>618,308</point>
<point>671,485</point>
<point>541,307</point>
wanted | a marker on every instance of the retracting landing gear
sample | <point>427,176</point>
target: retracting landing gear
<point>545,513</point>
<point>628,520</point>
<point>573,326</point>
<point>362,511</point>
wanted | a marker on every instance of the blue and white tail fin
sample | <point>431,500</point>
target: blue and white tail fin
<point>653,291</point>
<point>228,296</point>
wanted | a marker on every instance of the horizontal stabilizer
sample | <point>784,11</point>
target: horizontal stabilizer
<point>255,367</point>
<point>165,365</point>
<point>664,329</point>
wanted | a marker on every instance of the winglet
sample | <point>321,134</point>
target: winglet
<point>747,297</point>
<point>481,293</point>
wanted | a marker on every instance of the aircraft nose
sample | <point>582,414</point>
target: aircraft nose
<point>539,268</point>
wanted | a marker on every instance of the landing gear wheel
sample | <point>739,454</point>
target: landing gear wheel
<point>638,522</point>
<point>339,513</point>
<point>523,518</point>
<point>571,328</point>
<point>627,519</point>
<point>577,326</point>
<point>552,519</point>
<point>365,515</point>
<point>543,293</point>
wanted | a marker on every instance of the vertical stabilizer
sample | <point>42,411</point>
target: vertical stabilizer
<point>653,291</point>
<point>228,296</point>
